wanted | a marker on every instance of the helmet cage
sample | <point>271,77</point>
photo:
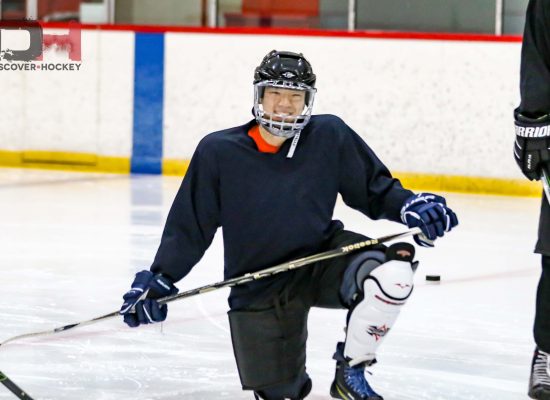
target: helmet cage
<point>283,125</point>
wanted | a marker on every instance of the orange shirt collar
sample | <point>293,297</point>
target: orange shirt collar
<point>262,145</point>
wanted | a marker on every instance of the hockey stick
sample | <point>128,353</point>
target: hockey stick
<point>545,178</point>
<point>12,387</point>
<point>253,276</point>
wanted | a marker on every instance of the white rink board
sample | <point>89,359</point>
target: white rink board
<point>425,106</point>
<point>429,106</point>
<point>88,111</point>
<point>116,93</point>
<point>61,107</point>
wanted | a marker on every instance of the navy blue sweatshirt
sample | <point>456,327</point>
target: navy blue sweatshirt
<point>272,208</point>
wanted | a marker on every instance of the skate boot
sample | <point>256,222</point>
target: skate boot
<point>539,382</point>
<point>350,382</point>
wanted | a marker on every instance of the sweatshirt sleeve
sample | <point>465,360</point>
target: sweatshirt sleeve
<point>535,60</point>
<point>365,183</point>
<point>193,218</point>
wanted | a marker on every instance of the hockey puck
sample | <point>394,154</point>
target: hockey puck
<point>433,278</point>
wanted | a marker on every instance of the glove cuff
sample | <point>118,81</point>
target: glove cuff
<point>161,286</point>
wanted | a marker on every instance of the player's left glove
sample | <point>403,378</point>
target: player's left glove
<point>140,305</point>
<point>430,213</point>
<point>532,145</point>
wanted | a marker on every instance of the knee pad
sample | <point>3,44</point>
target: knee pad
<point>382,286</point>
<point>296,390</point>
<point>356,273</point>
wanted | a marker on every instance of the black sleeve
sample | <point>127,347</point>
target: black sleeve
<point>535,60</point>
<point>192,220</point>
<point>365,183</point>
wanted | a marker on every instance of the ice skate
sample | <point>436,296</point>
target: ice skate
<point>539,382</point>
<point>350,383</point>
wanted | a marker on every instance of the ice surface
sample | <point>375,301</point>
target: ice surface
<point>70,244</point>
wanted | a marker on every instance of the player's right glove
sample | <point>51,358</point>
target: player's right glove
<point>531,148</point>
<point>140,305</point>
<point>430,213</point>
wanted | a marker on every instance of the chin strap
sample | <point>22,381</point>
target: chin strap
<point>293,145</point>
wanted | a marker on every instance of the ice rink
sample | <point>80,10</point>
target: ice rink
<point>70,244</point>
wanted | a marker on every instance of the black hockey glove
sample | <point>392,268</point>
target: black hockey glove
<point>140,304</point>
<point>531,148</point>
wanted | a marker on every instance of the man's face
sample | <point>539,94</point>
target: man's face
<point>283,102</point>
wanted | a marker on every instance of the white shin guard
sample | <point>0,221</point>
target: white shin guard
<point>385,291</point>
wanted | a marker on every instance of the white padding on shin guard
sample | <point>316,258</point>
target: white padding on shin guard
<point>386,290</point>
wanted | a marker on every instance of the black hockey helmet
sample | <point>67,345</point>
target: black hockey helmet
<point>287,66</point>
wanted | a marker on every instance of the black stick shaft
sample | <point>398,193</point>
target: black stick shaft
<point>253,276</point>
<point>12,387</point>
<point>546,181</point>
<point>344,250</point>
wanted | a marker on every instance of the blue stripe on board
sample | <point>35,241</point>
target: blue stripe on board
<point>148,103</point>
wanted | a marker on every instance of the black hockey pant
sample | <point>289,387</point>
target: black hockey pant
<point>542,315</point>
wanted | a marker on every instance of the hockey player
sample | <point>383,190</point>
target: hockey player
<point>272,185</point>
<point>531,151</point>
